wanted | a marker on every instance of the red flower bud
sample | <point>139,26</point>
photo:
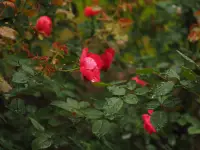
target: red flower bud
<point>90,12</point>
<point>44,25</point>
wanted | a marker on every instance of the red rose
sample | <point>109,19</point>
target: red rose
<point>90,12</point>
<point>140,82</point>
<point>44,25</point>
<point>107,58</point>
<point>147,122</point>
<point>90,66</point>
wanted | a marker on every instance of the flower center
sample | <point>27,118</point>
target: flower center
<point>89,63</point>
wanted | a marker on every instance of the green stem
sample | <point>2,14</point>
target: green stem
<point>92,27</point>
<point>69,70</point>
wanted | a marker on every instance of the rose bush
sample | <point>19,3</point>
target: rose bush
<point>99,75</point>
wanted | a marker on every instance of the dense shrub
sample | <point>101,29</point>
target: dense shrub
<point>98,75</point>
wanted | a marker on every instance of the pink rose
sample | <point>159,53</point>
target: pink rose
<point>90,66</point>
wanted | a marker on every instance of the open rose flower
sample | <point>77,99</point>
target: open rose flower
<point>90,66</point>
<point>90,11</point>
<point>107,58</point>
<point>139,81</point>
<point>147,122</point>
<point>44,26</point>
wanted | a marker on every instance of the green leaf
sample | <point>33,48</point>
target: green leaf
<point>61,104</point>
<point>55,122</point>
<point>174,116</point>
<point>18,106</point>
<point>131,85</point>
<point>194,130</point>
<point>163,89</point>
<point>18,2</point>
<point>182,121</point>
<point>187,58</point>
<point>41,142</point>
<point>70,105</point>
<point>12,60</point>
<point>159,119</point>
<point>151,147</point>
<point>20,77</point>
<point>153,104</point>
<point>147,12</point>
<point>117,82</point>
<point>166,5</point>
<point>36,124</point>
<point>194,121</point>
<point>31,109</point>
<point>117,90</point>
<point>28,69</point>
<point>189,74</point>
<point>83,105</point>
<point>187,84</point>
<point>171,102</point>
<point>8,12</point>
<point>145,71</point>
<point>101,127</point>
<point>141,91</point>
<point>172,74</point>
<point>162,65</point>
<point>162,99</point>
<point>113,105</point>
<point>73,104</point>
<point>131,99</point>
<point>93,113</point>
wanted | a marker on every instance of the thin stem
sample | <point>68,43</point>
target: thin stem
<point>69,70</point>
<point>92,26</point>
<point>157,74</point>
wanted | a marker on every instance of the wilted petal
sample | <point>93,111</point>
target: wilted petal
<point>139,81</point>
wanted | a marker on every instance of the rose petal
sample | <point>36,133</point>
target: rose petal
<point>44,25</point>
<point>150,111</point>
<point>97,59</point>
<point>140,82</point>
<point>89,63</point>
